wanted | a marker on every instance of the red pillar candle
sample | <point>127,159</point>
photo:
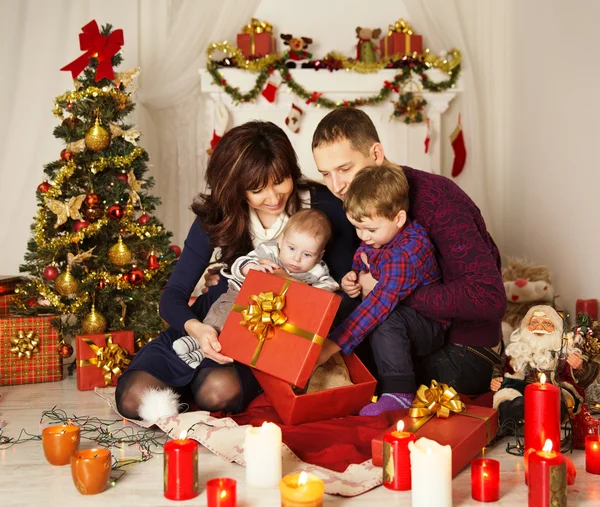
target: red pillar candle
<point>589,306</point>
<point>181,469</point>
<point>396,459</point>
<point>485,480</point>
<point>547,478</point>
<point>221,493</point>
<point>592,454</point>
<point>542,415</point>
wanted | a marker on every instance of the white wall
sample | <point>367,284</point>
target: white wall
<point>552,203</point>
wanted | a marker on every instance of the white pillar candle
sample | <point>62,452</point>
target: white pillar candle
<point>262,453</point>
<point>431,473</point>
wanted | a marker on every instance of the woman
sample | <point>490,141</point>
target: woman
<point>255,184</point>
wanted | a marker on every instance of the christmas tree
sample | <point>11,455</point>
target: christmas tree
<point>97,254</point>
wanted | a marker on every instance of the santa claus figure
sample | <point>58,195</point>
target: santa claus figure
<point>538,346</point>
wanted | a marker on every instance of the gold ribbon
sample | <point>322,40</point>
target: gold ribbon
<point>24,343</point>
<point>111,358</point>
<point>255,26</point>
<point>264,314</point>
<point>400,26</point>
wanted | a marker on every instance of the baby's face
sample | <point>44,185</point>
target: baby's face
<point>299,252</point>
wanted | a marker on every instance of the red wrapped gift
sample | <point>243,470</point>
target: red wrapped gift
<point>8,284</point>
<point>256,39</point>
<point>29,350</point>
<point>102,358</point>
<point>278,326</point>
<point>400,39</point>
<point>466,432</point>
<point>5,302</point>
<point>318,406</point>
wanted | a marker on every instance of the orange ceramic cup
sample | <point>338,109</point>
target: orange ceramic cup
<point>59,442</point>
<point>91,470</point>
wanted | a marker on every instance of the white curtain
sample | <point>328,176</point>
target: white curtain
<point>479,30</point>
<point>174,37</point>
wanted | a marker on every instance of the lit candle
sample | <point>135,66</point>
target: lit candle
<point>262,453</point>
<point>301,490</point>
<point>396,458</point>
<point>59,442</point>
<point>431,473</point>
<point>589,306</point>
<point>485,480</point>
<point>592,454</point>
<point>181,468</point>
<point>547,478</point>
<point>542,414</point>
<point>221,493</point>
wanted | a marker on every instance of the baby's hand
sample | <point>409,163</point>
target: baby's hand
<point>350,284</point>
<point>268,266</point>
<point>496,383</point>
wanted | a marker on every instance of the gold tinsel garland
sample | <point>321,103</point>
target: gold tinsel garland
<point>62,241</point>
<point>64,173</point>
<point>118,161</point>
<point>91,91</point>
<point>255,65</point>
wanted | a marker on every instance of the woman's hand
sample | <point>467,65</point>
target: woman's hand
<point>350,284</point>
<point>208,339</point>
<point>496,383</point>
<point>211,278</point>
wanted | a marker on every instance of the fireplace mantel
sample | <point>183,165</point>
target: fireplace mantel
<point>403,143</point>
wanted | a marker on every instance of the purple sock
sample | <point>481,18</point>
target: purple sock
<point>388,402</point>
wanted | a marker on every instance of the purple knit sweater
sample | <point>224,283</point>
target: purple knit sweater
<point>472,293</point>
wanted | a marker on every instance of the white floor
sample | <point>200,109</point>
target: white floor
<point>26,479</point>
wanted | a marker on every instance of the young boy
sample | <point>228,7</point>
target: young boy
<point>398,253</point>
<point>299,252</point>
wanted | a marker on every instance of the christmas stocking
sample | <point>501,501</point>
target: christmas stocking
<point>460,151</point>
<point>428,136</point>
<point>272,86</point>
<point>293,119</point>
<point>221,121</point>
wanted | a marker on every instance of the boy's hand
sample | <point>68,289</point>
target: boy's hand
<point>329,348</point>
<point>350,284</point>
<point>365,278</point>
<point>496,383</point>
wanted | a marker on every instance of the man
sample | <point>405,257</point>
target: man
<point>471,294</point>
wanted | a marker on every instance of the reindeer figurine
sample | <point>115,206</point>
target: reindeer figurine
<point>297,51</point>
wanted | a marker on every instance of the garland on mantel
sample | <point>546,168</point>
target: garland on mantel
<point>407,65</point>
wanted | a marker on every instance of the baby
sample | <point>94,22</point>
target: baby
<point>299,252</point>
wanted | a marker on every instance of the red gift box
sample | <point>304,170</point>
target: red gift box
<point>102,358</point>
<point>287,350</point>
<point>400,39</point>
<point>256,39</point>
<point>467,433</point>
<point>318,406</point>
<point>29,350</point>
<point>8,284</point>
<point>5,302</point>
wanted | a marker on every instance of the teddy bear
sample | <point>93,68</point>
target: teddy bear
<point>297,52</point>
<point>365,48</point>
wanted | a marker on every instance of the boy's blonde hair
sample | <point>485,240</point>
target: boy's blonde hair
<point>311,222</point>
<point>377,191</point>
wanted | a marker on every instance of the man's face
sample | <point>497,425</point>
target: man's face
<point>339,163</point>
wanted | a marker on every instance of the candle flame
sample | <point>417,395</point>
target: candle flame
<point>303,479</point>
<point>182,435</point>
<point>400,426</point>
<point>595,446</point>
<point>485,474</point>
<point>223,494</point>
<point>543,378</point>
<point>547,446</point>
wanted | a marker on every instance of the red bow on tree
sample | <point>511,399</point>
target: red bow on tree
<point>96,45</point>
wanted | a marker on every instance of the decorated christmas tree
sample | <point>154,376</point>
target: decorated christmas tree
<point>97,254</point>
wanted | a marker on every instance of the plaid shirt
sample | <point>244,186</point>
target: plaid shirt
<point>401,266</point>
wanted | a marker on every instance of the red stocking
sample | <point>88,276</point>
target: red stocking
<point>428,136</point>
<point>460,150</point>
<point>272,85</point>
<point>293,119</point>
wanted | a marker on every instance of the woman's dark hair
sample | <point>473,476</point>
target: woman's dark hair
<point>246,158</point>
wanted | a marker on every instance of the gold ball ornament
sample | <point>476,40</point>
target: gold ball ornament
<point>66,284</point>
<point>119,254</point>
<point>93,322</point>
<point>97,138</point>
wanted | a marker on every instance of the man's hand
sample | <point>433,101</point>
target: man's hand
<point>365,278</point>
<point>211,278</point>
<point>496,383</point>
<point>574,360</point>
<point>329,348</point>
<point>350,284</point>
<point>208,340</point>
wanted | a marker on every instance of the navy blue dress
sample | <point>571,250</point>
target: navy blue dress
<point>158,358</point>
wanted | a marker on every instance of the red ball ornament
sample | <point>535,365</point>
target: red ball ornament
<point>69,106</point>
<point>65,350</point>
<point>50,272</point>
<point>175,249</point>
<point>66,155</point>
<point>122,177</point>
<point>135,276</point>
<point>92,200</point>
<point>143,220</point>
<point>153,262</point>
<point>116,211</point>
<point>101,284</point>
<point>43,187</point>
<point>80,224</point>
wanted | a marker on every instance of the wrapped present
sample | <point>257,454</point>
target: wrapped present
<point>29,350</point>
<point>440,415</point>
<point>400,39</point>
<point>8,284</point>
<point>321,405</point>
<point>102,358</point>
<point>5,302</point>
<point>278,326</point>
<point>256,39</point>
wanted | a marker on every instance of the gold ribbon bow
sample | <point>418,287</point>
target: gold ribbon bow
<point>111,359</point>
<point>437,400</point>
<point>24,343</point>
<point>256,26</point>
<point>400,26</point>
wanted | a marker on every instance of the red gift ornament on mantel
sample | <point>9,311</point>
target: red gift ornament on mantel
<point>96,45</point>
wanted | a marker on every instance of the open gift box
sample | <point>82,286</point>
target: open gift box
<point>321,405</point>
